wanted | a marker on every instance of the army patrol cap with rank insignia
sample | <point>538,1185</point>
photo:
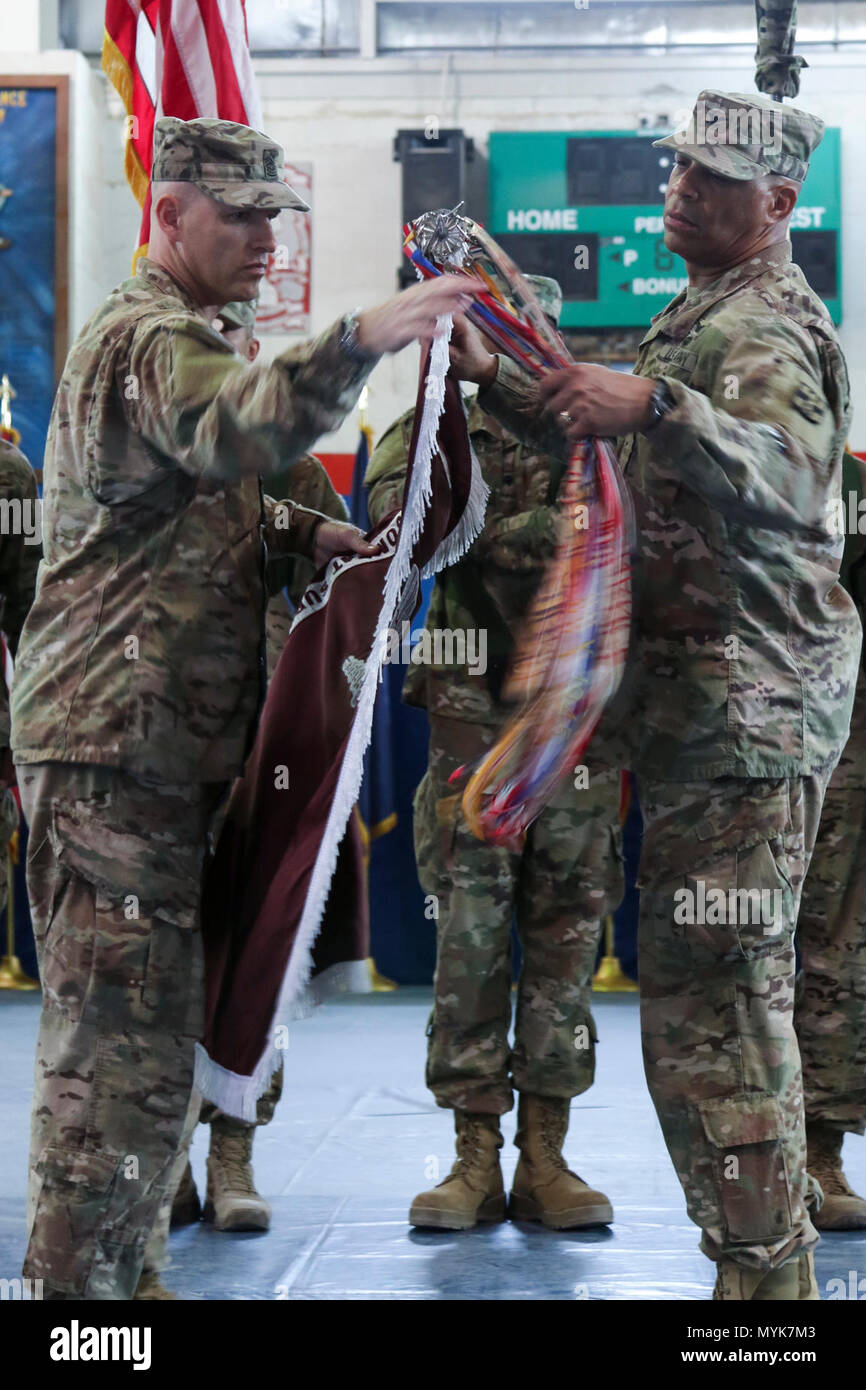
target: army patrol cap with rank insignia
<point>232,163</point>
<point>742,136</point>
<point>548,293</point>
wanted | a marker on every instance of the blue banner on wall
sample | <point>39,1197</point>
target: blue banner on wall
<point>28,292</point>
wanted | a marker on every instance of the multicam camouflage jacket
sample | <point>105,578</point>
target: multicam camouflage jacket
<point>312,488</point>
<point>20,553</point>
<point>746,647</point>
<point>485,595</point>
<point>851,772</point>
<point>144,648</point>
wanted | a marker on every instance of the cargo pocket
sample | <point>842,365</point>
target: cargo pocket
<point>66,947</point>
<point>435,831</point>
<point>71,1211</point>
<point>725,878</point>
<point>145,952</point>
<point>745,1135</point>
<point>173,990</point>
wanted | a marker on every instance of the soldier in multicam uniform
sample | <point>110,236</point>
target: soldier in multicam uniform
<point>231,1201</point>
<point>737,700</point>
<point>558,889</point>
<point>139,675</point>
<point>830,1008</point>
<point>20,553</point>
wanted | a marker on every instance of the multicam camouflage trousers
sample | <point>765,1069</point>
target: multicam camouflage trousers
<point>558,890</point>
<point>830,1011</point>
<point>113,873</point>
<point>722,870</point>
<point>8,826</point>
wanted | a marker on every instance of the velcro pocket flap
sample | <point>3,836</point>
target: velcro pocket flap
<point>91,1172</point>
<point>739,825</point>
<point>739,1120</point>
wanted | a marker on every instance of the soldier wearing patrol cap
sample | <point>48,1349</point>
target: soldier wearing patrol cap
<point>558,889</point>
<point>737,700</point>
<point>140,673</point>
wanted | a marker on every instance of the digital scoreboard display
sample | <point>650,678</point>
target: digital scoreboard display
<point>587,209</point>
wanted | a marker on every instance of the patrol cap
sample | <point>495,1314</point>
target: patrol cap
<point>231,162</point>
<point>239,313</point>
<point>744,136</point>
<point>548,293</point>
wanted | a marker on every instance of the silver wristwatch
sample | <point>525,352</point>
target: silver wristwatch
<point>349,344</point>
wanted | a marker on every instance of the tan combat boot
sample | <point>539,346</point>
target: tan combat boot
<point>473,1190</point>
<point>842,1210</point>
<point>186,1207</point>
<point>544,1189</point>
<point>231,1201</point>
<point>792,1283</point>
<point>150,1289</point>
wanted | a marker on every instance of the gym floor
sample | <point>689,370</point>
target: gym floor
<point>357,1135</point>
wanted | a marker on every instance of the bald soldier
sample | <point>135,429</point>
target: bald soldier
<point>738,696</point>
<point>140,673</point>
<point>557,890</point>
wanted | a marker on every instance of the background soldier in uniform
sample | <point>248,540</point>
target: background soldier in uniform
<point>738,698</point>
<point>140,674</point>
<point>231,1201</point>
<point>830,1009</point>
<point>20,553</point>
<point>558,890</point>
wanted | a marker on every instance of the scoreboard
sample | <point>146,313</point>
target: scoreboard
<point>586,208</point>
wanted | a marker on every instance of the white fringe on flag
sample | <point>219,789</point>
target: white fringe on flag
<point>236,1094</point>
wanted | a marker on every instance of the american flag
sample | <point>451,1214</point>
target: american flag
<point>183,58</point>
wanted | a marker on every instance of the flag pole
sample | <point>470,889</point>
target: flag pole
<point>610,977</point>
<point>12,973</point>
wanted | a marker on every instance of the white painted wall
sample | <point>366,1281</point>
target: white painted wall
<point>342,116</point>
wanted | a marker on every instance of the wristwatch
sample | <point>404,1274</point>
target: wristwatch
<point>661,404</point>
<point>349,344</point>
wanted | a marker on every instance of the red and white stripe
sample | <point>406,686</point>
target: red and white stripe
<point>202,63</point>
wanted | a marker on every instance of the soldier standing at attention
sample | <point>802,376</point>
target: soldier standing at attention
<point>20,553</point>
<point>140,674</point>
<point>830,1007</point>
<point>558,889</point>
<point>736,704</point>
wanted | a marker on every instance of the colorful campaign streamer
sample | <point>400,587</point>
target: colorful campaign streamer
<point>571,654</point>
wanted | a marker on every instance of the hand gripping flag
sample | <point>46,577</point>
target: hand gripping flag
<point>571,654</point>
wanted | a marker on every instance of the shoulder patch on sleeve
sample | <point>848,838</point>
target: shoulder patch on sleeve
<point>809,402</point>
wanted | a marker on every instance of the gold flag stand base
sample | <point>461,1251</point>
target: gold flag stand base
<point>12,975</point>
<point>610,978</point>
<point>381,984</point>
